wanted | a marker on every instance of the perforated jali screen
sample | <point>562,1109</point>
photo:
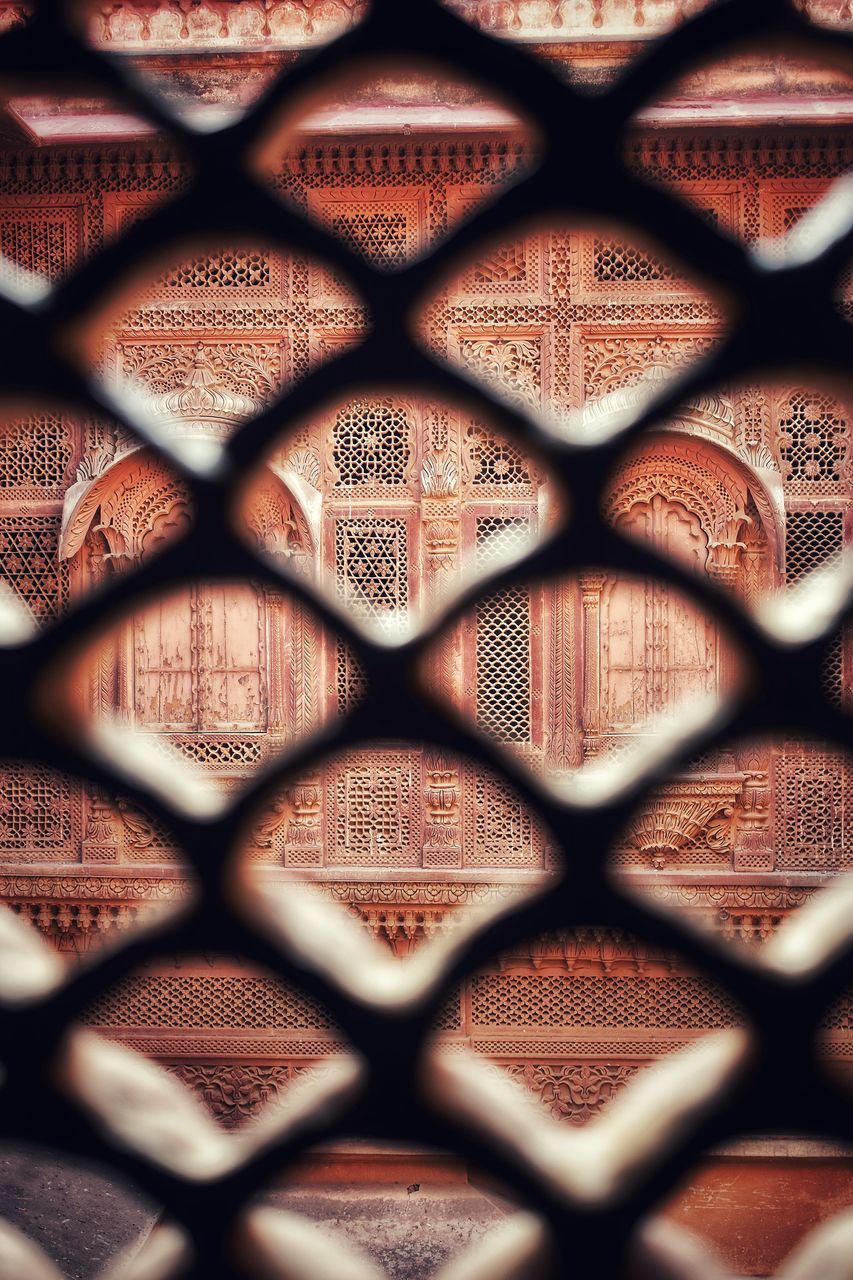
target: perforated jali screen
<point>587,1190</point>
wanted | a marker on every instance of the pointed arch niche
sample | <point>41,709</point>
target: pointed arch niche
<point>226,671</point>
<point>646,648</point>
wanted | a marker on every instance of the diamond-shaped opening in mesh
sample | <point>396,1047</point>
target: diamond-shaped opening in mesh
<point>411,1209</point>
<point>159,34</point>
<point>208,63</point>
<point>62,842</point>
<point>397,854</point>
<point>376,109</point>
<point>151,347</point>
<point>213,680</point>
<point>590,43</point>
<point>404,502</point>
<point>531,312</point>
<point>48,228</point>
<point>773,89</point>
<point>759,473</point>
<point>587,680</point>
<point>774,1214</point>
<point>233,1035</point>
<point>81,503</point>
<point>574,1015</point>
<point>82,1215</point>
<point>743,838</point>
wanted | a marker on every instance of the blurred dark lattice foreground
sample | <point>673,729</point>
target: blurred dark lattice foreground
<point>589,1189</point>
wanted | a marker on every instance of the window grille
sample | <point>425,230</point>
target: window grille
<point>371,444</point>
<point>34,456</point>
<point>590,1194</point>
<point>28,562</point>
<point>812,440</point>
<point>222,271</point>
<point>811,538</point>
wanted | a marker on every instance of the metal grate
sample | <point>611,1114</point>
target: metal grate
<point>591,1188</point>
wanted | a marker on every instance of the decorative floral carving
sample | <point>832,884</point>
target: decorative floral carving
<point>234,1094</point>
<point>576,1092</point>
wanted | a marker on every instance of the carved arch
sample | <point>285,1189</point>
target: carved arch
<point>710,479</point>
<point>135,502</point>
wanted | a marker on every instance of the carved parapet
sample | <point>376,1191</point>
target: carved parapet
<point>681,812</point>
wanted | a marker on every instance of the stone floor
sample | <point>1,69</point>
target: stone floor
<point>410,1231</point>
<point>82,1219</point>
<point>79,1216</point>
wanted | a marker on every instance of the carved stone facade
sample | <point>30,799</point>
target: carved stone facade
<point>388,501</point>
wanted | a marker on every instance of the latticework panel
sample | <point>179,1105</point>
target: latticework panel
<point>248,270</point>
<point>29,562</point>
<point>371,444</point>
<point>34,455</point>
<point>371,562</point>
<point>36,813</point>
<point>615,263</point>
<point>813,442</point>
<point>814,807</point>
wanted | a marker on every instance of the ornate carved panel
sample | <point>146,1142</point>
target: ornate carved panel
<point>372,445</point>
<point>29,562</point>
<point>371,565</point>
<point>39,815</point>
<point>814,807</point>
<point>516,360</point>
<point>374,809</point>
<point>813,442</point>
<point>498,830</point>
<point>44,235</point>
<point>35,454</point>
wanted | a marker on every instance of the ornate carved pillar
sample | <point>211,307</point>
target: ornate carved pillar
<point>276,709</point>
<point>563,742</point>
<point>724,550</point>
<point>440,522</point>
<point>100,838</point>
<point>753,844</point>
<point>301,715</point>
<point>591,586</point>
<point>442,840</point>
<point>304,835</point>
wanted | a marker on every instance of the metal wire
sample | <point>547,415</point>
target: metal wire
<point>781,315</point>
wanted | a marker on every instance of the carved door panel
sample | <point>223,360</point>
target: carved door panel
<point>198,661</point>
<point>657,648</point>
<point>231,686</point>
<point>625,654</point>
<point>164,664</point>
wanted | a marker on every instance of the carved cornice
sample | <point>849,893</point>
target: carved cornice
<point>780,151</point>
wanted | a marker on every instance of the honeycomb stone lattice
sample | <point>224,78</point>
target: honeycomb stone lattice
<point>590,1219</point>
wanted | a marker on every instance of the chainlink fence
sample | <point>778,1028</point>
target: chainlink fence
<point>588,1190</point>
